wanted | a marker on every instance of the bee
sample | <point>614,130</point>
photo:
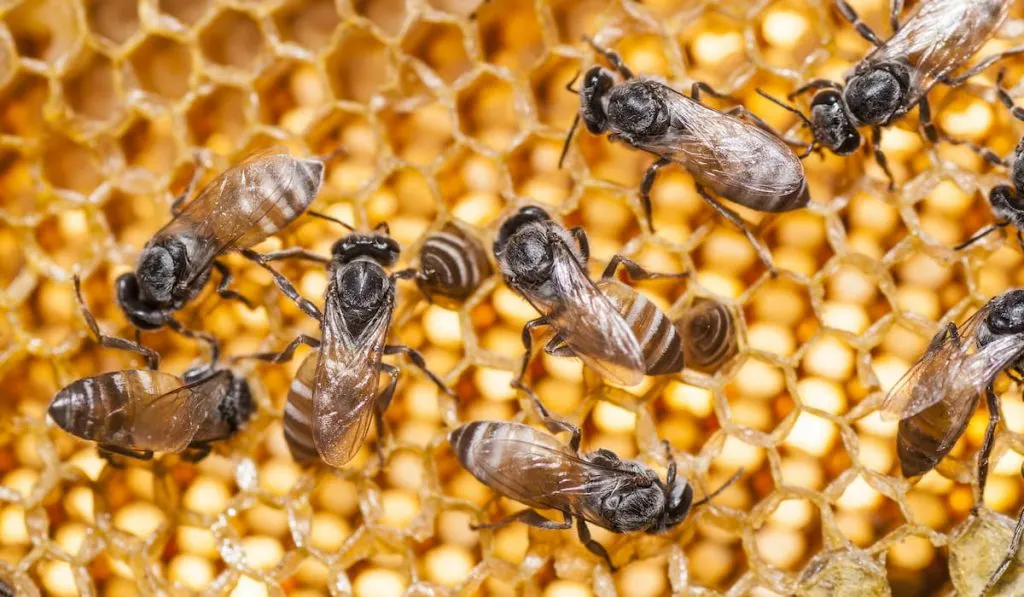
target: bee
<point>6,590</point>
<point>136,412</point>
<point>734,153</point>
<point>240,208</point>
<point>598,487</point>
<point>709,335</point>
<point>334,395</point>
<point>934,400</point>
<point>936,39</point>
<point>546,264</point>
<point>452,265</point>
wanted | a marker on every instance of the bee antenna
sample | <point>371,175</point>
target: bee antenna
<point>383,227</point>
<point>322,216</point>
<point>569,86</point>
<point>568,138</point>
<point>805,122</point>
<point>334,153</point>
<point>735,477</point>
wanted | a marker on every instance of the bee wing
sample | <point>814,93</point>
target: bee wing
<point>169,421</point>
<point>590,325</point>
<point>952,369</point>
<point>221,216</point>
<point>939,37</point>
<point>345,384</point>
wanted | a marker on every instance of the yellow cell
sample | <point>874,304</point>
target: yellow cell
<point>913,553</point>
<point>812,434</point>
<point>139,518</point>
<point>398,507</point>
<point>192,571</point>
<point>379,582</point>
<point>611,418</point>
<point>262,552</point>
<point>829,358</point>
<point>207,495</point>
<point>680,396</point>
<point>859,496</point>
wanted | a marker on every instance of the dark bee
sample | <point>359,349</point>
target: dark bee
<point>546,264</point>
<point>137,412</point>
<point>741,160</point>
<point>536,469</point>
<point>240,208</point>
<point>453,263</point>
<point>6,590</point>
<point>334,396</point>
<point>709,335</point>
<point>934,400</point>
<point>937,38</point>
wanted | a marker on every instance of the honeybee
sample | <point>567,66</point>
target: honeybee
<point>734,153</point>
<point>936,39</point>
<point>452,265</point>
<point>136,412</point>
<point>240,208</point>
<point>934,400</point>
<point>334,396</point>
<point>709,333</point>
<point>598,487</point>
<point>6,590</point>
<point>546,264</point>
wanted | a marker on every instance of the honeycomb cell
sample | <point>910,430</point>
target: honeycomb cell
<point>422,133</point>
<point>114,21</point>
<point>510,32</point>
<point>48,30</point>
<point>389,15</point>
<point>70,165</point>
<point>233,39</point>
<point>91,89</point>
<point>307,23</point>
<point>358,79</point>
<point>555,105</point>
<point>21,104</point>
<point>162,66</point>
<point>218,118</point>
<point>187,12</point>
<point>533,167</point>
<point>487,111</point>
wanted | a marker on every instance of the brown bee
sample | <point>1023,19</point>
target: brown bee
<point>334,396</point>
<point>709,335</point>
<point>934,400</point>
<point>536,469</point>
<point>453,264</point>
<point>239,209</point>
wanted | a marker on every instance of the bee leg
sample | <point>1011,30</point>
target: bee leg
<point>815,85</point>
<point>285,285</point>
<point>737,221</point>
<point>645,190</point>
<point>862,28</point>
<point>1004,97</point>
<point>294,253</point>
<point>986,446</point>
<point>700,86</point>
<point>530,517</point>
<point>222,286</point>
<point>594,547</point>
<point>151,356</point>
<point>743,112</point>
<point>196,452</point>
<point>381,406</point>
<point>285,355</point>
<point>568,138</point>
<point>178,328</point>
<point>580,235</point>
<point>883,162</point>
<point>107,451</point>
<point>635,270</point>
<point>177,206</point>
<point>895,8</point>
<point>1011,551</point>
<point>416,358</point>
<point>984,64</point>
<point>924,114</point>
<point>612,57</point>
<point>987,154</point>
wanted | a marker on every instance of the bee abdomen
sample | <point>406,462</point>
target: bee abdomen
<point>709,336</point>
<point>452,265</point>
<point>657,337</point>
<point>298,421</point>
<point>920,440</point>
<point>80,408</point>
<point>465,437</point>
<point>289,185</point>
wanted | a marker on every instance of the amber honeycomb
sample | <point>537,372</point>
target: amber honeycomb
<point>102,104</point>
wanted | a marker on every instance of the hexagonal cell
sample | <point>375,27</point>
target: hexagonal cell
<point>90,90</point>
<point>128,217</point>
<point>389,15</point>
<point>786,33</point>
<point>715,49</point>
<point>115,20</point>
<point>782,542</point>
<point>21,105</point>
<point>420,134</point>
<point>18,184</point>
<point>574,19</point>
<point>556,105</point>
<point>853,300</point>
<point>149,144</point>
<point>510,32</point>
<point>404,191</point>
<point>222,112</point>
<point>915,567</point>
<point>308,23</point>
<point>233,39</point>
<point>533,166</point>
<point>440,46</point>
<point>977,547</point>
<point>188,12</point>
<point>47,30</point>
<point>799,240</point>
<point>487,111</point>
<point>68,165</point>
<point>843,573</point>
<point>67,238</point>
<point>288,93</point>
<point>359,65</point>
<point>162,66</point>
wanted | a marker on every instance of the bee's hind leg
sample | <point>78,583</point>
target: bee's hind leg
<point>151,356</point>
<point>381,406</point>
<point>285,355</point>
<point>530,517</point>
<point>986,446</point>
<point>862,28</point>
<point>737,221</point>
<point>594,547</point>
<point>645,189</point>
<point>284,285</point>
<point>416,358</point>
<point>196,452</point>
<point>108,451</point>
<point>177,206</point>
<point>222,287</point>
<point>635,270</point>
<point>883,162</point>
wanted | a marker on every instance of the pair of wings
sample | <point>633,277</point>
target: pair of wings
<point>722,149</point>
<point>953,371</point>
<point>939,37</point>
<point>224,215</point>
<point>163,414</point>
<point>587,321</point>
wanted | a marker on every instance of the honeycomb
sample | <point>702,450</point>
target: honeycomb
<point>455,109</point>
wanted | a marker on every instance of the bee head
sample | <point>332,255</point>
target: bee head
<point>678,499</point>
<point>1007,314</point>
<point>160,270</point>
<point>377,245</point>
<point>140,312</point>
<point>596,84</point>
<point>511,226</point>
<point>876,95</point>
<point>831,123</point>
<point>635,110</point>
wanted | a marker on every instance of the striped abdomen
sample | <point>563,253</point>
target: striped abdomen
<point>298,413</point>
<point>453,263</point>
<point>709,335</point>
<point>925,438</point>
<point>271,191</point>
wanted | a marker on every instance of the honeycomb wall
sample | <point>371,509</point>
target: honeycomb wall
<point>103,106</point>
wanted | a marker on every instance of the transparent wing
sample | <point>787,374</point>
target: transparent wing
<point>232,206</point>
<point>939,37</point>
<point>590,325</point>
<point>345,383</point>
<point>167,422</point>
<point>952,369</point>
